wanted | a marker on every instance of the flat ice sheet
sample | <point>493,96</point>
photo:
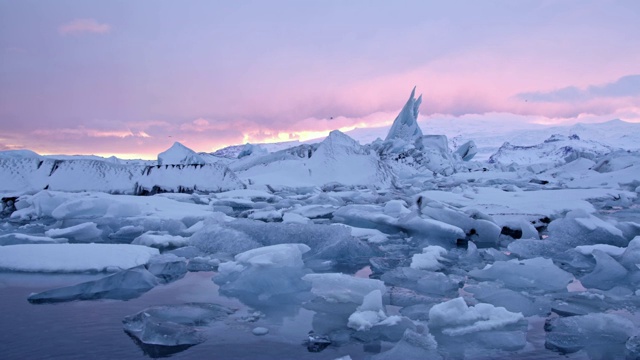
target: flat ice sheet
<point>71,258</point>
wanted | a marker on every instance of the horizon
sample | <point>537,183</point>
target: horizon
<point>133,78</point>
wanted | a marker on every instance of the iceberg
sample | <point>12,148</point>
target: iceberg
<point>405,126</point>
<point>123,285</point>
<point>174,325</point>
<point>69,258</point>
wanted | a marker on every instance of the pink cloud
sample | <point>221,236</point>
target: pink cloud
<point>80,26</point>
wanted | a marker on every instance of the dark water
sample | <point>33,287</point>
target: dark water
<point>93,329</point>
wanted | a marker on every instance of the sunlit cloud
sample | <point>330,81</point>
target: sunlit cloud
<point>95,133</point>
<point>80,26</point>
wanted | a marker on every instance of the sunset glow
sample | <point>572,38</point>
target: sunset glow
<point>129,80</point>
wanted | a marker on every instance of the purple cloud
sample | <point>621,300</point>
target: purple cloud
<point>80,26</point>
<point>625,86</point>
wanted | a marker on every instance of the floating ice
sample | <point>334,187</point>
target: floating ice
<point>18,238</point>
<point>167,267</point>
<point>607,273</point>
<point>265,276</point>
<point>73,257</point>
<point>455,318</point>
<point>412,346</point>
<point>371,313</point>
<point>160,240</point>
<point>342,288</point>
<point>603,333</point>
<point>174,325</point>
<point>580,228</point>
<point>537,274</point>
<point>429,259</point>
<point>123,285</point>
<point>85,232</point>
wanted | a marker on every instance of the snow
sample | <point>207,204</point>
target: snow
<point>429,259</point>
<point>85,232</point>
<point>160,240</point>
<point>456,318</point>
<point>67,258</point>
<point>179,154</point>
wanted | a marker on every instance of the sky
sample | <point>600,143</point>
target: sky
<point>129,78</point>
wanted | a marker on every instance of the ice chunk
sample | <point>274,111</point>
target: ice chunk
<point>85,232</point>
<point>455,318</point>
<point>607,273</point>
<point>326,242</point>
<point>123,285</point>
<point>435,154</point>
<point>580,228</point>
<point>267,215</point>
<point>422,281</point>
<point>259,331</point>
<point>405,126</point>
<point>366,216</point>
<point>215,238</point>
<point>396,208</point>
<point>467,150</point>
<point>429,259</point>
<point>264,276</point>
<point>293,218</point>
<point>167,267</point>
<point>73,257</point>
<point>537,274</point>
<point>607,249</point>
<point>598,331</point>
<point>127,233</point>
<point>160,240</point>
<point>412,346</point>
<point>17,238</point>
<point>432,230</point>
<point>371,313</point>
<point>513,301</point>
<point>342,288</point>
<point>203,263</point>
<point>174,325</point>
<point>631,255</point>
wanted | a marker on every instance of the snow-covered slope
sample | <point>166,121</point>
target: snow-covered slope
<point>187,178</point>
<point>337,159</point>
<point>30,174</point>
<point>179,154</point>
